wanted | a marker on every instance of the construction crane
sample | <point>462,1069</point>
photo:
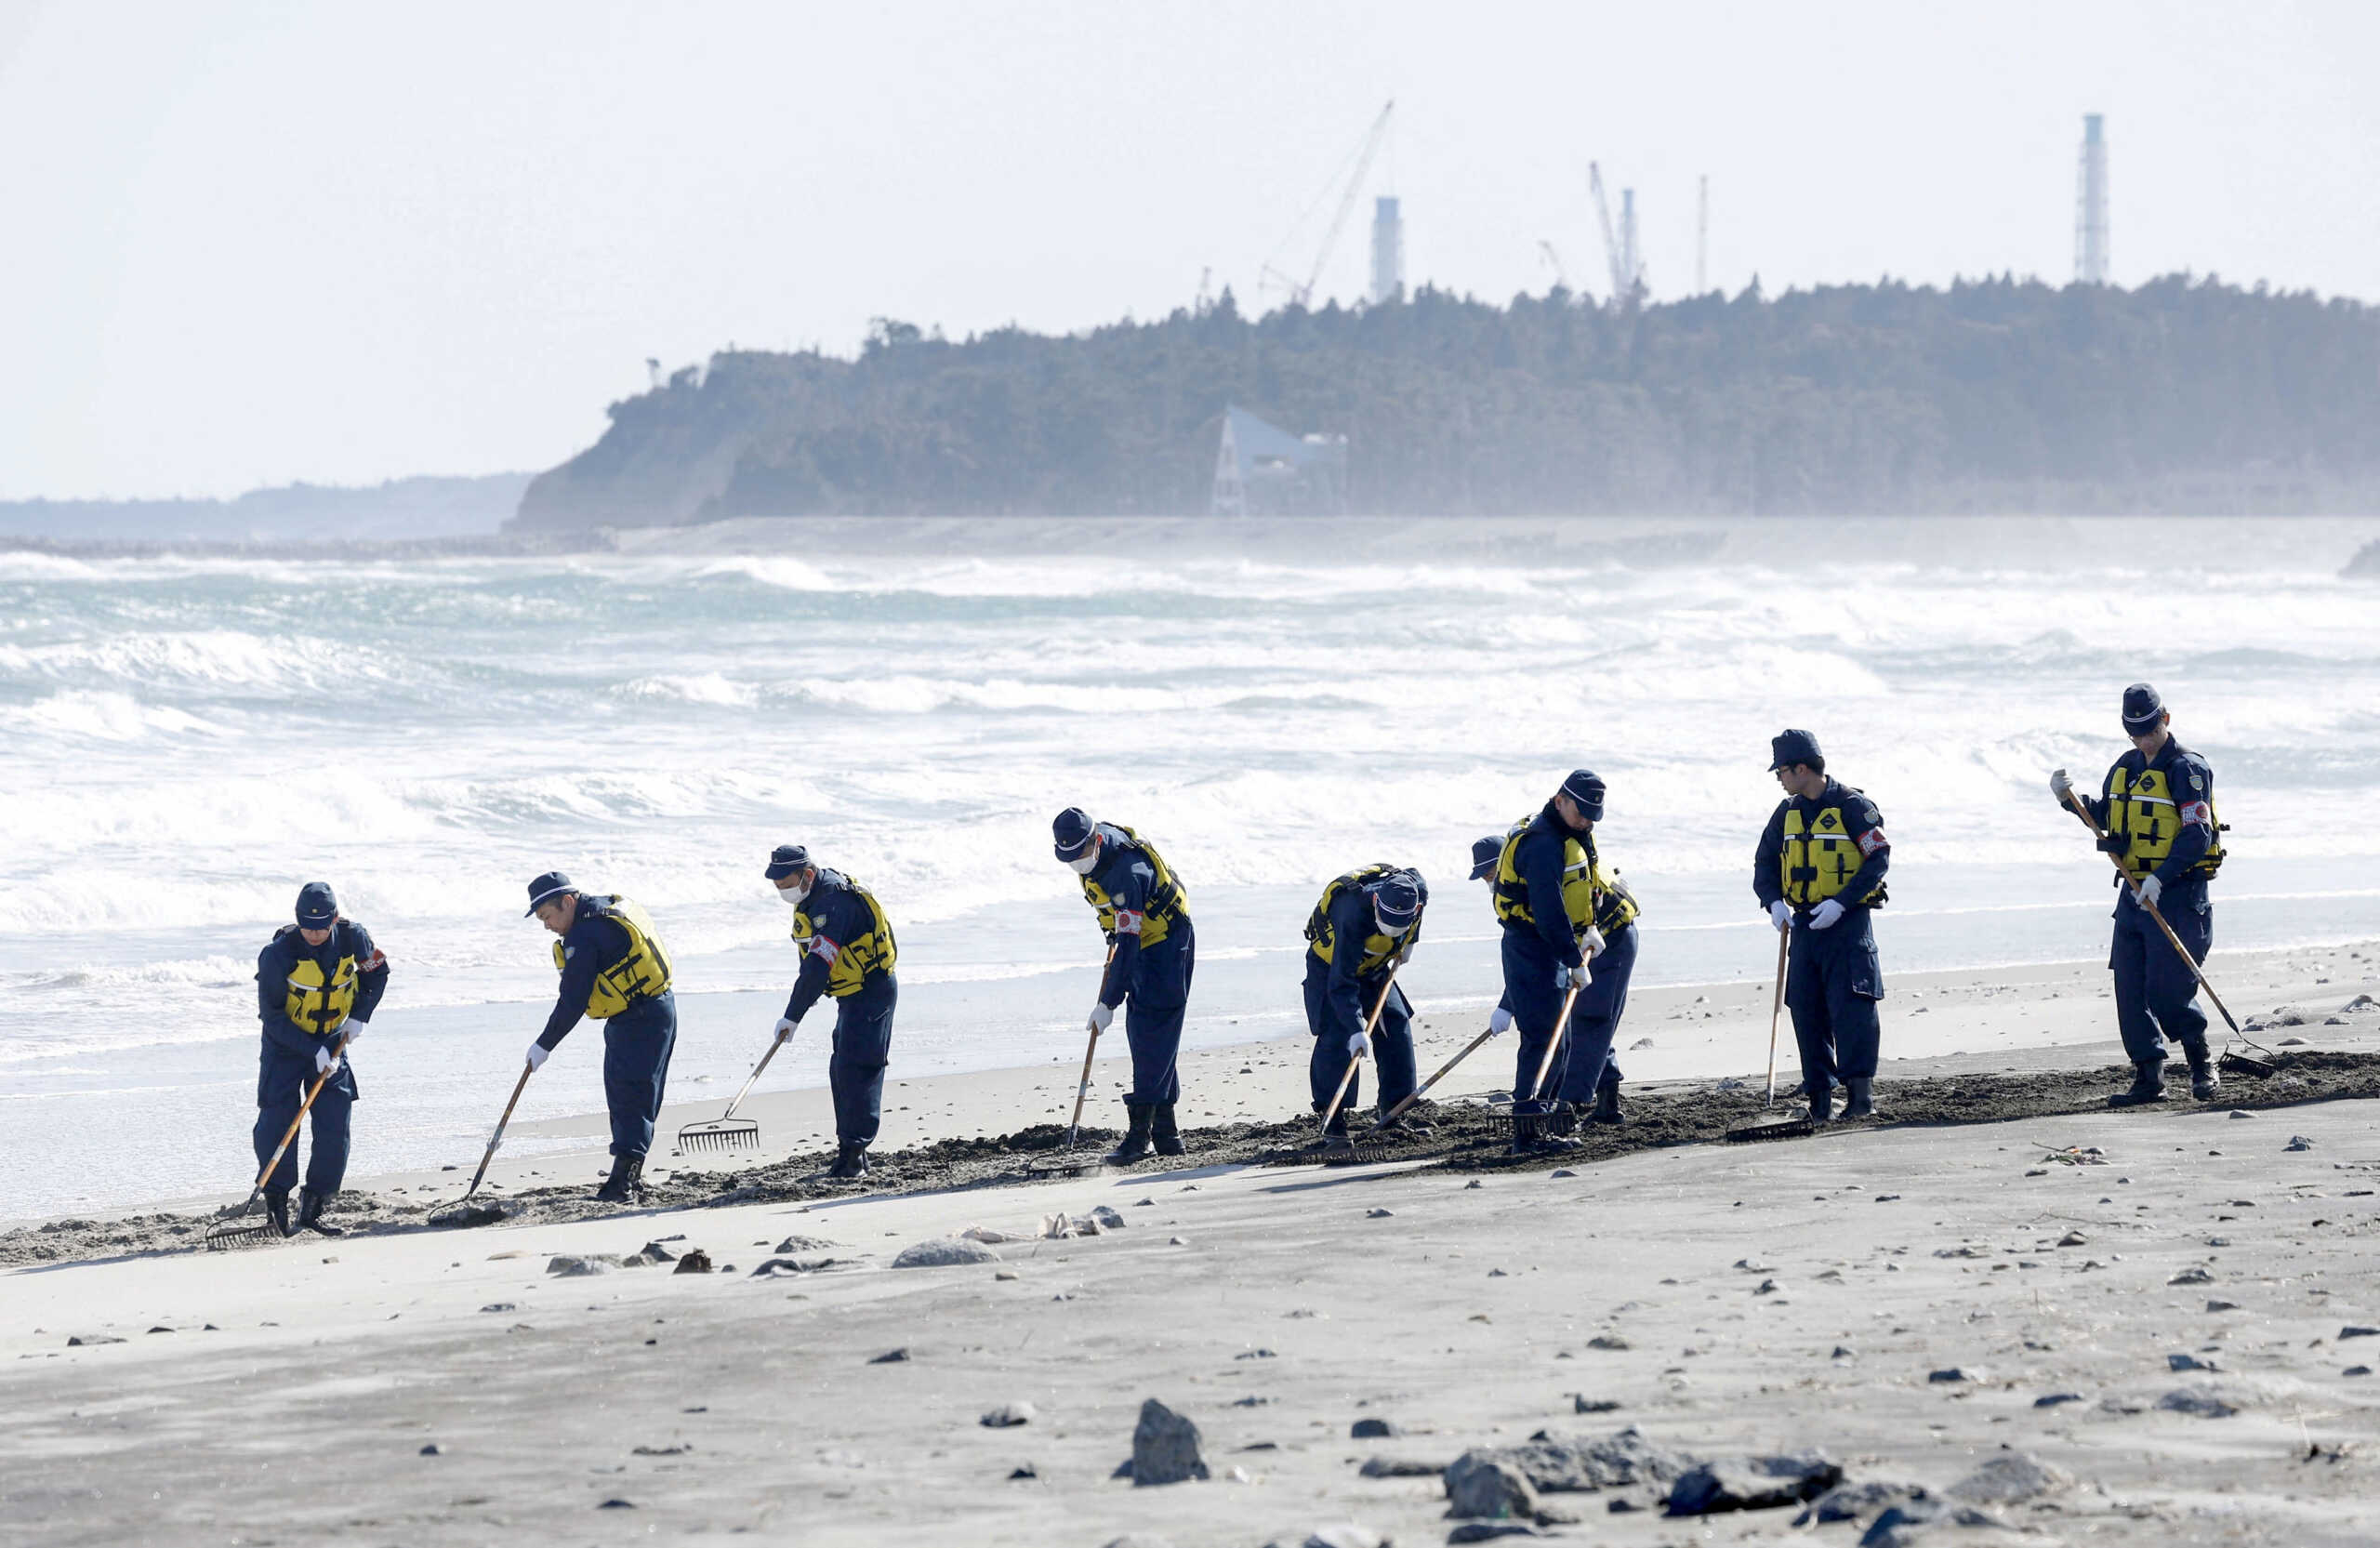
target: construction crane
<point>1561,277</point>
<point>1303,292</point>
<point>1623,283</point>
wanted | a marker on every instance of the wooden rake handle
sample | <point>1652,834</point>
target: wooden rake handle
<point>1357,1058</point>
<point>498,1138</point>
<point>2180,950</point>
<point>1552,1045</point>
<point>303,1108</point>
<point>1082,1087</point>
<point>1776,1008</point>
<point>1444,1070</point>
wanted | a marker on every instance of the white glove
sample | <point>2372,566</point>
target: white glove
<point>1499,1020</point>
<point>2151,891</point>
<point>1564,977</point>
<point>784,1029</point>
<point>2060,785</point>
<point>324,1061</point>
<point>1779,916</point>
<point>1101,1014</point>
<point>1827,915</point>
<point>1592,943</point>
<point>354,1028</point>
<point>537,1052</point>
<point>1356,1044</point>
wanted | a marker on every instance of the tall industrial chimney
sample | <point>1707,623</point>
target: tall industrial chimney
<point>2091,205</point>
<point>1388,252</point>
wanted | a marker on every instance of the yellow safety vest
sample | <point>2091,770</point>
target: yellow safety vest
<point>851,962</point>
<point>1821,857</point>
<point>1590,895</point>
<point>1166,901</point>
<point>1377,949</point>
<point>643,974</point>
<point>317,1005</point>
<point>2143,815</point>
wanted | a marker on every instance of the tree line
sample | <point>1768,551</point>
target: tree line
<point>2185,395</point>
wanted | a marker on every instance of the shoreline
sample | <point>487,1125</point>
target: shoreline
<point>1699,1033</point>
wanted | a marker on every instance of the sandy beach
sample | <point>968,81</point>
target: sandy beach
<point>1726,1299</point>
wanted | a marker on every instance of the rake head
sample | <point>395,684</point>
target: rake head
<point>1782,1129</point>
<point>720,1134</point>
<point>2249,1066</point>
<point>247,1228</point>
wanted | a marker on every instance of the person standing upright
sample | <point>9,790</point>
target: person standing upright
<point>847,953</point>
<point>2157,806</point>
<point>1820,872</point>
<point>1147,918</point>
<point>614,968</point>
<point>318,982</point>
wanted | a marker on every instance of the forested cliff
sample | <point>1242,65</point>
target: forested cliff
<point>2182,396</point>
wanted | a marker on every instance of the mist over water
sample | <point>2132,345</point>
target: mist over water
<point>183,742</point>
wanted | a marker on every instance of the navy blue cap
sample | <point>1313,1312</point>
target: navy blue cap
<point>549,884</point>
<point>2142,709</point>
<point>1395,901</point>
<point>1791,747</point>
<point>1484,854</point>
<point>1586,790</point>
<point>785,860</point>
<point>1073,829</point>
<point>317,909</point>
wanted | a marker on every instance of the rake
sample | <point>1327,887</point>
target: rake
<point>2234,1064</point>
<point>451,1212</point>
<point>727,1131</point>
<point>1355,1061</point>
<point>239,1228</point>
<point>1418,1091</point>
<point>1071,1164</point>
<point>1774,1129</point>
<point>1545,1065</point>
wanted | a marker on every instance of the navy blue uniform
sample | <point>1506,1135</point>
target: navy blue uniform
<point>285,1065</point>
<point>1151,980</point>
<point>2156,993</point>
<point>1594,1020</point>
<point>1532,950</point>
<point>1833,981</point>
<point>863,1043</point>
<point>637,1042</point>
<point>1338,1001</point>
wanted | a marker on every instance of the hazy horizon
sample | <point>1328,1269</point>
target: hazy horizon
<point>277,245</point>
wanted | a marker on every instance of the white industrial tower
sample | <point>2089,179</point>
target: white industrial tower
<point>2091,205</point>
<point>1388,251</point>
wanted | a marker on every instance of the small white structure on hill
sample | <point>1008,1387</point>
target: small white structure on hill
<point>1261,469</point>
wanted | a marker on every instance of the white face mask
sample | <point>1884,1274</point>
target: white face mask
<point>1081,865</point>
<point>794,895</point>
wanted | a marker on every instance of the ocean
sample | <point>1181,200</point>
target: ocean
<point>183,741</point>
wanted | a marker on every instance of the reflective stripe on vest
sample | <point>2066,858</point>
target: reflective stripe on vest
<point>315,1006</point>
<point>850,963</point>
<point>643,974</point>
<point>1819,858</point>
<point>2142,812</point>
<point>1377,949</point>
<point>1167,900</point>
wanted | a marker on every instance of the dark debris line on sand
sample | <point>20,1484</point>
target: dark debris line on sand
<point>1468,1138</point>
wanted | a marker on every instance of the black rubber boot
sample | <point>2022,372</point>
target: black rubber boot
<point>850,1161</point>
<point>1858,1100</point>
<point>1608,1106</point>
<point>2204,1082</point>
<point>1334,1135</point>
<point>622,1186</point>
<point>1135,1146</point>
<point>1562,1123</point>
<point>1163,1135</point>
<point>276,1210</point>
<point>2147,1085</point>
<point>309,1213</point>
<point>1526,1127</point>
<point>1822,1105</point>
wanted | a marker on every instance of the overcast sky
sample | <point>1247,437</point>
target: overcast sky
<point>252,244</point>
